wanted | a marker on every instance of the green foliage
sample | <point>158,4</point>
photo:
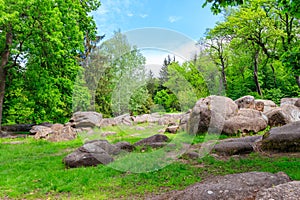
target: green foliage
<point>262,51</point>
<point>42,67</point>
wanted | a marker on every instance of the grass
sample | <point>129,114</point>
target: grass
<point>34,170</point>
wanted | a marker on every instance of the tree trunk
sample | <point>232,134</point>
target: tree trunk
<point>298,80</point>
<point>223,73</point>
<point>3,70</point>
<point>255,73</point>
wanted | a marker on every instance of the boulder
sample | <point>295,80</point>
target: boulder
<point>243,186</point>
<point>141,118</point>
<point>288,101</point>
<point>210,113</point>
<point>267,105</point>
<point>245,102</point>
<point>246,121</point>
<point>125,146</point>
<point>236,146</point>
<point>283,115</point>
<point>61,133</point>
<point>285,191</point>
<point>124,119</point>
<point>41,131</point>
<point>92,153</point>
<point>283,139</point>
<point>292,111</point>
<point>153,139</point>
<point>55,133</point>
<point>86,119</point>
<point>297,103</point>
<point>277,117</point>
<point>17,128</point>
<point>172,129</point>
<point>108,122</point>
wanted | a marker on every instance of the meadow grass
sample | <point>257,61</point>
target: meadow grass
<point>33,169</point>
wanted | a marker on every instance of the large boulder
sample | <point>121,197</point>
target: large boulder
<point>288,101</point>
<point>157,138</point>
<point>17,128</point>
<point>92,153</point>
<point>85,119</point>
<point>277,117</point>
<point>211,112</point>
<point>54,133</point>
<point>283,115</point>
<point>267,105</point>
<point>292,111</point>
<point>283,139</point>
<point>285,191</point>
<point>246,121</point>
<point>245,102</point>
<point>243,186</point>
<point>235,146</point>
<point>124,119</point>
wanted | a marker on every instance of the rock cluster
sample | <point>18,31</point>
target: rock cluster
<point>217,114</point>
<point>96,152</point>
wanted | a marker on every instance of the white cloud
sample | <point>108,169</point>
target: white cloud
<point>173,19</point>
<point>143,15</point>
<point>113,13</point>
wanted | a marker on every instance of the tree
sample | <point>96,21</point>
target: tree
<point>121,85</point>
<point>41,40</point>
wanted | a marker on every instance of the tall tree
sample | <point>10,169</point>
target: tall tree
<point>42,39</point>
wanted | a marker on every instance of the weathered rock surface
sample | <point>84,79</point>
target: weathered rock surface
<point>235,146</point>
<point>292,111</point>
<point>85,119</point>
<point>277,117</point>
<point>242,186</point>
<point>55,133</point>
<point>247,120</point>
<point>211,112</point>
<point>245,102</point>
<point>65,133</point>
<point>152,139</point>
<point>125,119</point>
<point>92,153</point>
<point>285,191</point>
<point>288,101</point>
<point>284,139</point>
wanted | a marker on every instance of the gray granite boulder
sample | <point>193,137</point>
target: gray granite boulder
<point>85,119</point>
<point>236,146</point>
<point>210,113</point>
<point>92,153</point>
<point>157,138</point>
<point>243,186</point>
<point>283,139</point>
<point>285,191</point>
<point>245,102</point>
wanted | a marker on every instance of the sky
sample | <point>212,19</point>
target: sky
<point>165,22</point>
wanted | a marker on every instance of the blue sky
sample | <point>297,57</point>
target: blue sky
<point>186,17</point>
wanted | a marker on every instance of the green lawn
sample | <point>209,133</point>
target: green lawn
<point>34,170</point>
